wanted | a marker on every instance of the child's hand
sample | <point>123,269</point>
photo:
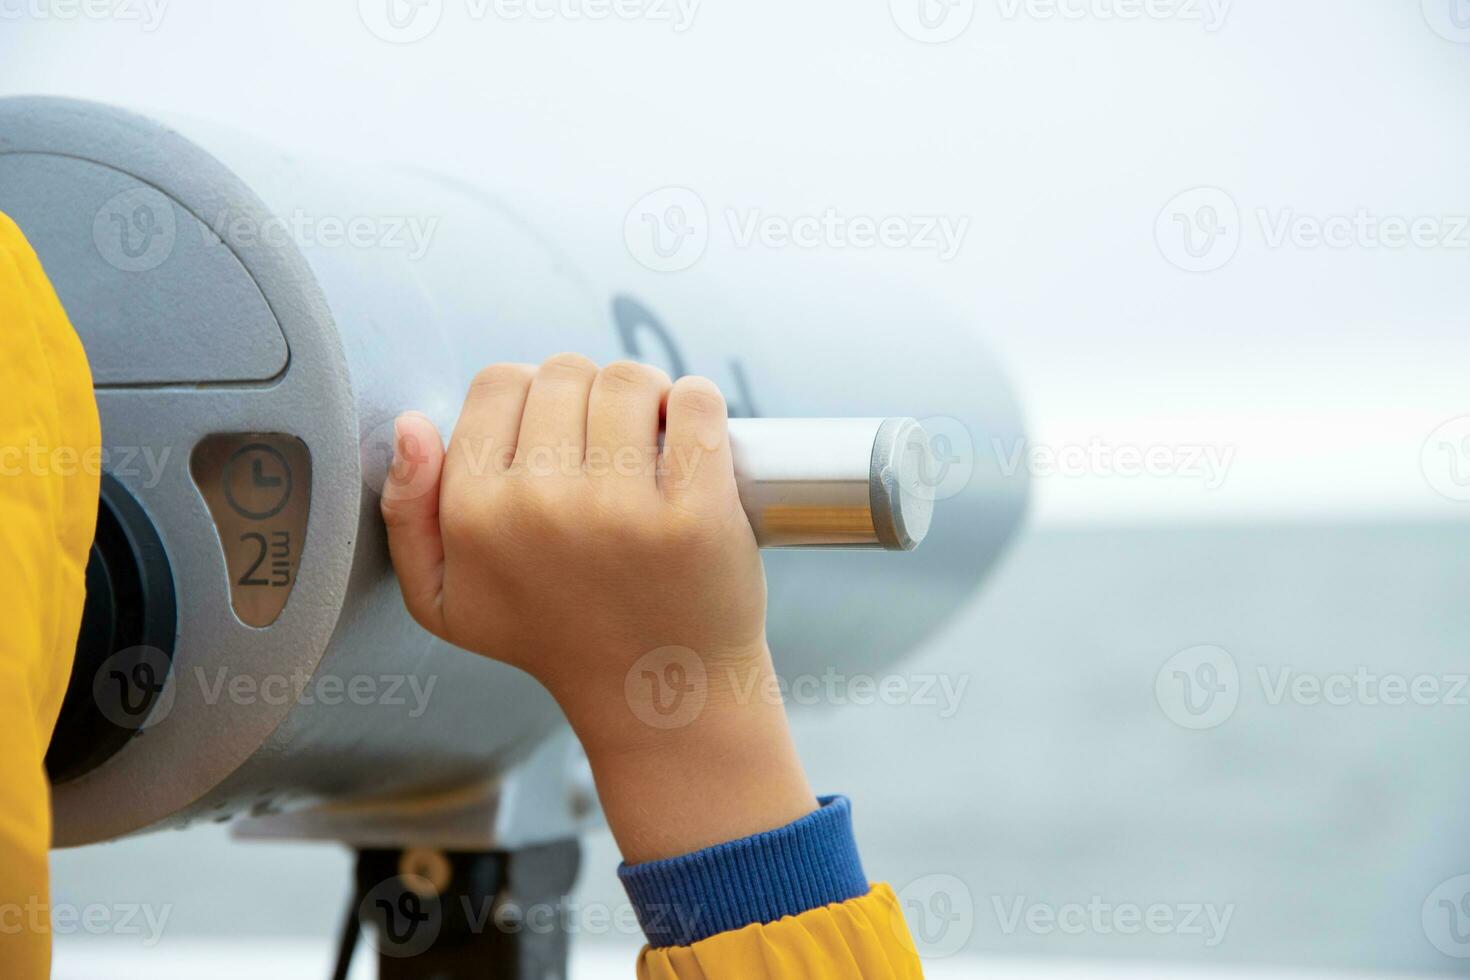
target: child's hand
<point>555,537</point>
<point>559,547</point>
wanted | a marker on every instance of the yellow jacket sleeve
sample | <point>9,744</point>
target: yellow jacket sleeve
<point>787,903</point>
<point>50,460</point>
<point>863,937</point>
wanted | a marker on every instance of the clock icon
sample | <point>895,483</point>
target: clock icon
<point>257,481</point>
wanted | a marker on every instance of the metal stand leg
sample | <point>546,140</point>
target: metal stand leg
<point>464,915</point>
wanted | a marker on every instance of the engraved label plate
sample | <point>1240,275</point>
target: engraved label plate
<point>258,489</point>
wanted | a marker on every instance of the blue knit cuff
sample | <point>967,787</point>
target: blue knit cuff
<point>804,865</point>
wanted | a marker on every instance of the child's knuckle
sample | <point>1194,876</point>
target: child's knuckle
<point>567,366</point>
<point>627,374</point>
<point>698,396</point>
<point>498,377</point>
<point>459,515</point>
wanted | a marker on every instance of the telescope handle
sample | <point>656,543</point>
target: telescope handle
<point>833,483</point>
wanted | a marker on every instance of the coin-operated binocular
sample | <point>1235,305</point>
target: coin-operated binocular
<point>254,322</point>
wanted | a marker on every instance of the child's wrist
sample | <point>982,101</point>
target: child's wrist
<point>671,696</point>
<point>681,770</point>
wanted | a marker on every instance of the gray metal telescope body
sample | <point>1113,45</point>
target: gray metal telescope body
<point>204,319</point>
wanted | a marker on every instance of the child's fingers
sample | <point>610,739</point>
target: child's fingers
<point>484,439</point>
<point>622,421</point>
<point>410,508</point>
<point>696,467</point>
<point>555,418</point>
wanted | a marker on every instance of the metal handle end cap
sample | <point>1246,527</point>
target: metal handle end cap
<point>902,509</point>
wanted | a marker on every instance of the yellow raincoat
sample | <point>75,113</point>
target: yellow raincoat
<point>49,469</point>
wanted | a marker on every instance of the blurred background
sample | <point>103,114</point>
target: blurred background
<point>1210,715</point>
